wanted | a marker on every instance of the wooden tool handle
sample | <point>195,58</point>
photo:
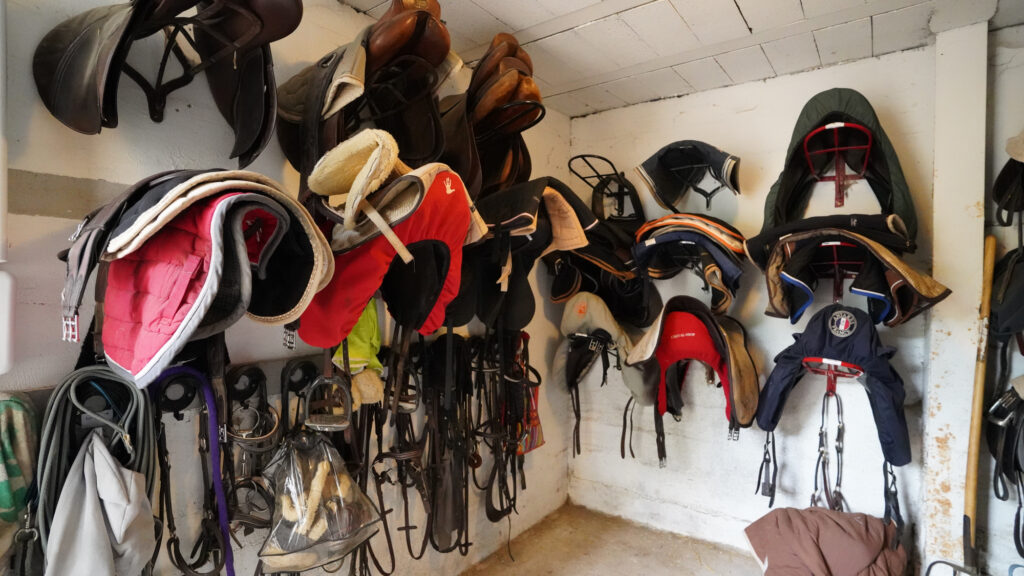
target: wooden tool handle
<point>977,403</point>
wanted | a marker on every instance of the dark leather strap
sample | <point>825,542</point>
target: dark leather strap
<point>627,412</point>
<point>768,473</point>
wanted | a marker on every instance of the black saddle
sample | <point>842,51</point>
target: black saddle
<point>78,64</point>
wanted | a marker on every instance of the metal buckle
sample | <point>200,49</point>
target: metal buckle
<point>69,328</point>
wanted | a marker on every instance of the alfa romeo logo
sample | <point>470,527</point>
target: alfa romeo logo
<point>842,323</point>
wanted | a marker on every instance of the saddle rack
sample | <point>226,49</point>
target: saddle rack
<point>600,170</point>
<point>840,269</point>
<point>839,134</point>
<point>833,370</point>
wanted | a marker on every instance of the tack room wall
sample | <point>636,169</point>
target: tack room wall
<point>707,488</point>
<point>57,176</point>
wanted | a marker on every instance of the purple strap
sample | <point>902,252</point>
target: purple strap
<point>213,433</point>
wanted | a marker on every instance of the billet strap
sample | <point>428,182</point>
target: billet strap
<point>215,460</point>
<point>892,503</point>
<point>574,398</point>
<point>630,406</point>
<point>1018,524</point>
<point>824,492</point>
<point>768,473</point>
<point>28,559</point>
<point>659,434</point>
<point>87,244</point>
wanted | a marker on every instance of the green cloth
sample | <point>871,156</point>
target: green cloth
<point>788,197</point>
<point>19,445</point>
<point>363,343</point>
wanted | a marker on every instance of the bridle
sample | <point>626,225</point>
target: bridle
<point>213,545</point>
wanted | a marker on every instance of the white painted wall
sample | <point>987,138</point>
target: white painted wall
<point>707,489</point>
<point>194,135</point>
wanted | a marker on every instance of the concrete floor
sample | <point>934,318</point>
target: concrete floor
<point>577,541</point>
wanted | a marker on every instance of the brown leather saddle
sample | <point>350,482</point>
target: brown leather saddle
<point>386,79</point>
<point>503,101</point>
<point>78,64</point>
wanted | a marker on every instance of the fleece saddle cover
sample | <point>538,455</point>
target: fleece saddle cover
<point>428,207</point>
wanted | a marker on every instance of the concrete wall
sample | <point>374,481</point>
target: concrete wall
<point>45,155</point>
<point>707,489</point>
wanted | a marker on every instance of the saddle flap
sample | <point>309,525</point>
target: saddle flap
<point>73,62</point>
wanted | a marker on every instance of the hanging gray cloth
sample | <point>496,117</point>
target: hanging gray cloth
<point>104,520</point>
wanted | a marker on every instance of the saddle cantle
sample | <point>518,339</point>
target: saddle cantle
<point>503,101</point>
<point>78,64</point>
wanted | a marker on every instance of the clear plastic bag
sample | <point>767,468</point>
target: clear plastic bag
<point>320,514</point>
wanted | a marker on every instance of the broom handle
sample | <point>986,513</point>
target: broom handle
<point>977,407</point>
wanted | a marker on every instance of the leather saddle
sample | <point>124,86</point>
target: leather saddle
<point>386,78</point>
<point>524,223</point>
<point>605,267</point>
<point>504,101</point>
<point>78,64</point>
<point>688,330</point>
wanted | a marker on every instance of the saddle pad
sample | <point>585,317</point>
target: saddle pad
<point>159,296</point>
<point>277,302</point>
<point>586,313</point>
<point>442,215</point>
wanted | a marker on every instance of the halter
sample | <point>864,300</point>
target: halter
<point>844,140</point>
